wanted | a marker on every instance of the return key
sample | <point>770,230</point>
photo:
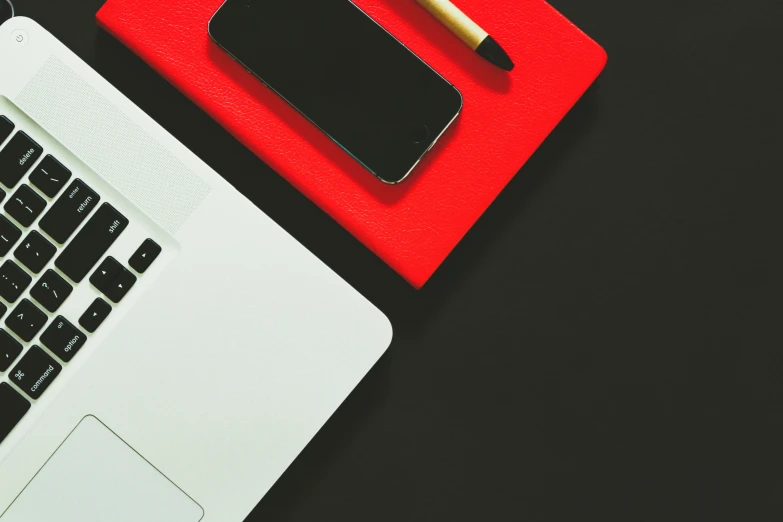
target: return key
<point>69,211</point>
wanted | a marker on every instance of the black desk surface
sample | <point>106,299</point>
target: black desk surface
<point>606,343</point>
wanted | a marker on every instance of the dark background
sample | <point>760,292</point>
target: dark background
<point>606,343</point>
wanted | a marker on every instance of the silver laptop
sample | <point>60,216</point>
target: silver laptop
<point>166,350</point>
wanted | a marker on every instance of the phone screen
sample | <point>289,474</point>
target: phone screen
<point>345,73</point>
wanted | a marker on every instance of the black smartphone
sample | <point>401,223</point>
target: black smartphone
<point>345,73</point>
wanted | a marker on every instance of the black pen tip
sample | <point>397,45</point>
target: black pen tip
<point>491,51</point>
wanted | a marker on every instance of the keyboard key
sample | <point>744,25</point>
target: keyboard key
<point>26,320</point>
<point>17,157</point>
<point>35,372</point>
<point>69,211</point>
<point>6,128</point>
<point>10,349</point>
<point>105,273</point>
<point>3,309</point>
<point>35,252</point>
<point>9,235</point>
<point>120,286</point>
<point>25,205</point>
<point>50,176</point>
<point>63,339</point>
<point>113,279</point>
<point>13,281</point>
<point>14,408</point>
<point>141,260</point>
<point>51,290</point>
<point>91,243</point>
<point>98,311</point>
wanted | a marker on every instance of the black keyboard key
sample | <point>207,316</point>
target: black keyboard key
<point>35,372</point>
<point>26,320</point>
<point>3,309</point>
<point>50,176</point>
<point>113,279</point>
<point>91,243</point>
<point>2,194</point>
<point>106,272</point>
<point>69,211</point>
<point>35,252</point>
<point>141,260</point>
<point>10,349</point>
<point>14,408</point>
<point>63,339</point>
<point>17,157</point>
<point>51,290</point>
<point>25,205</point>
<point>120,286</point>
<point>9,235</point>
<point>13,281</point>
<point>6,128</point>
<point>98,311</point>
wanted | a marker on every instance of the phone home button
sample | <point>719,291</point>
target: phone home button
<point>419,133</point>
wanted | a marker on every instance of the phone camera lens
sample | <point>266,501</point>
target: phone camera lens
<point>419,133</point>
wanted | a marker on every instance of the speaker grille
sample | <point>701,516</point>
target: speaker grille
<point>112,145</point>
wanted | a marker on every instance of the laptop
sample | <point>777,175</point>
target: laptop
<point>166,350</point>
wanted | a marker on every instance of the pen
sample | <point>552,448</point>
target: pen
<point>468,31</point>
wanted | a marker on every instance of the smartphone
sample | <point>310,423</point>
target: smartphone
<point>345,73</point>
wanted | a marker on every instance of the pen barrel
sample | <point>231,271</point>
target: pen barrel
<point>458,22</point>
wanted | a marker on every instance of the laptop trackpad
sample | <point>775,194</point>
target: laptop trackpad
<point>95,477</point>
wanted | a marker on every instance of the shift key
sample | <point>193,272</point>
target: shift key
<point>91,243</point>
<point>69,211</point>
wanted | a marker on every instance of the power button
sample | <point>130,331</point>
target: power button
<point>19,38</point>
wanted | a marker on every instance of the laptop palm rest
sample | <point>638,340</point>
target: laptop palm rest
<point>94,476</point>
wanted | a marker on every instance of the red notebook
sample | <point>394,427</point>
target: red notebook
<point>412,226</point>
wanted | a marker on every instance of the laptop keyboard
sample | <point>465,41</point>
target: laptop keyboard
<point>52,215</point>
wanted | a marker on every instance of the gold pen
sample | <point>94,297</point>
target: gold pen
<point>468,31</point>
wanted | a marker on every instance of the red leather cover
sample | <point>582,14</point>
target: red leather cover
<point>415,225</point>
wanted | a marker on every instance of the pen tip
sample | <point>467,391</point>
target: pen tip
<point>491,51</point>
